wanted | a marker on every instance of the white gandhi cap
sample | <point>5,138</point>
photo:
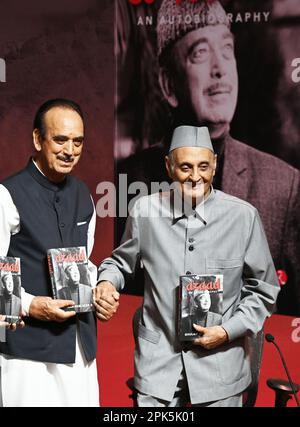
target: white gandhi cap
<point>191,136</point>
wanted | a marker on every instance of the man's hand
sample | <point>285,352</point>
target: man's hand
<point>106,300</point>
<point>2,321</point>
<point>212,337</point>
<point>49,309</point>
<point>11,326</point>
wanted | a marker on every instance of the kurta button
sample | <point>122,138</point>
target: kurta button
<point>191,240</point>
<point>188,272</point>
<point>62,225</point>
<point>57,200</point>
<point>191,248</point>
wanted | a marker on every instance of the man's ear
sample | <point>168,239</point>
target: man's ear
<point>37,140</point>
<point>215,164</point>
<point>167,88</point>
<point>168,167</point>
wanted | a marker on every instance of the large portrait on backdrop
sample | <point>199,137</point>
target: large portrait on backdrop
<point>230,65</point>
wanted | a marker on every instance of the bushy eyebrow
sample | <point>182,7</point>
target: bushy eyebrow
<point>203,162</point>
<point>60,138</point>
<point>65,138</point>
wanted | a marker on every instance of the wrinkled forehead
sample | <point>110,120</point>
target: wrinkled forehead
<point>192,155</point>
<point>63,120</point>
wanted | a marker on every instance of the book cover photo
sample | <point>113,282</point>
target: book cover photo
<point>10,288</point>
<point>70,277</point>
<point>200,302</point>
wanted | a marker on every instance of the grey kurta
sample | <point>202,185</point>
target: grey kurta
<point>227,239</point>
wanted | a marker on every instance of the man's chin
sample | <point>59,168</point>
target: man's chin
<point>58,174</point>
<point>218,115</point>
<point>65,168</point>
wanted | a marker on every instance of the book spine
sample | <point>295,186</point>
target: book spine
<point>50,265</point>
<point>180,332</point>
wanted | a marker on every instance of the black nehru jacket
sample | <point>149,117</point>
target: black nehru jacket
<point>49,218</point>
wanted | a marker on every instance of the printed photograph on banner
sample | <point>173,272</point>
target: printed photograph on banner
<point>234,67</point>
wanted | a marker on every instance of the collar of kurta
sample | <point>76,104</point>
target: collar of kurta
<point>42,179</point>
<point>197,212</point>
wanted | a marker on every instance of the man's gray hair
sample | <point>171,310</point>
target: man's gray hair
<point>171,160</point>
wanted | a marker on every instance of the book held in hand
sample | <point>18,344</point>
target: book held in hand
<point>10,288</point>
<point>70,277</point>
<point>200,302</point>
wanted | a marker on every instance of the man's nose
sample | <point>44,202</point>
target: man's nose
<point>69,148</point>
<point>195,176</point>
<point>218,66</point>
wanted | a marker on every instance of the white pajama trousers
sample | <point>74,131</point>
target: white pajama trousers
<point>35,384</point>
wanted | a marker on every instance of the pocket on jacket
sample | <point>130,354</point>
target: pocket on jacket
<point>146,345</point>
<point>232,270</point>
<point>82,226</point>
<point>221,264</point>
<point>232,363</point>
<point>148,334</point>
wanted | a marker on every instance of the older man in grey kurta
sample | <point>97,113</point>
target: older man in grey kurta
<point>223,235</point>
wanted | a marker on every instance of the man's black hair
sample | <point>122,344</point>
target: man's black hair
<point>39,123</point>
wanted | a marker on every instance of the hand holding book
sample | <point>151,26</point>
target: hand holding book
<point>3,324</point>
<point>211,337</point>
<point>49,309</point>
<point>10,326</point>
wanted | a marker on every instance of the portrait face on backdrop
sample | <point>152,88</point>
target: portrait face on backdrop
<point>204,82</point>
<point>253,46</point>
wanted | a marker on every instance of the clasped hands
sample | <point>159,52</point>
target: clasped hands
<point>106,300</point>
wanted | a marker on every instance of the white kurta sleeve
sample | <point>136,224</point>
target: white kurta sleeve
<point>9,220</point>
<point>90,244</point>
<point>91,233</point>
<point>10,225</point>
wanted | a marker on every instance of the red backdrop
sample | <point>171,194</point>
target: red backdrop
<point>59,49</point>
